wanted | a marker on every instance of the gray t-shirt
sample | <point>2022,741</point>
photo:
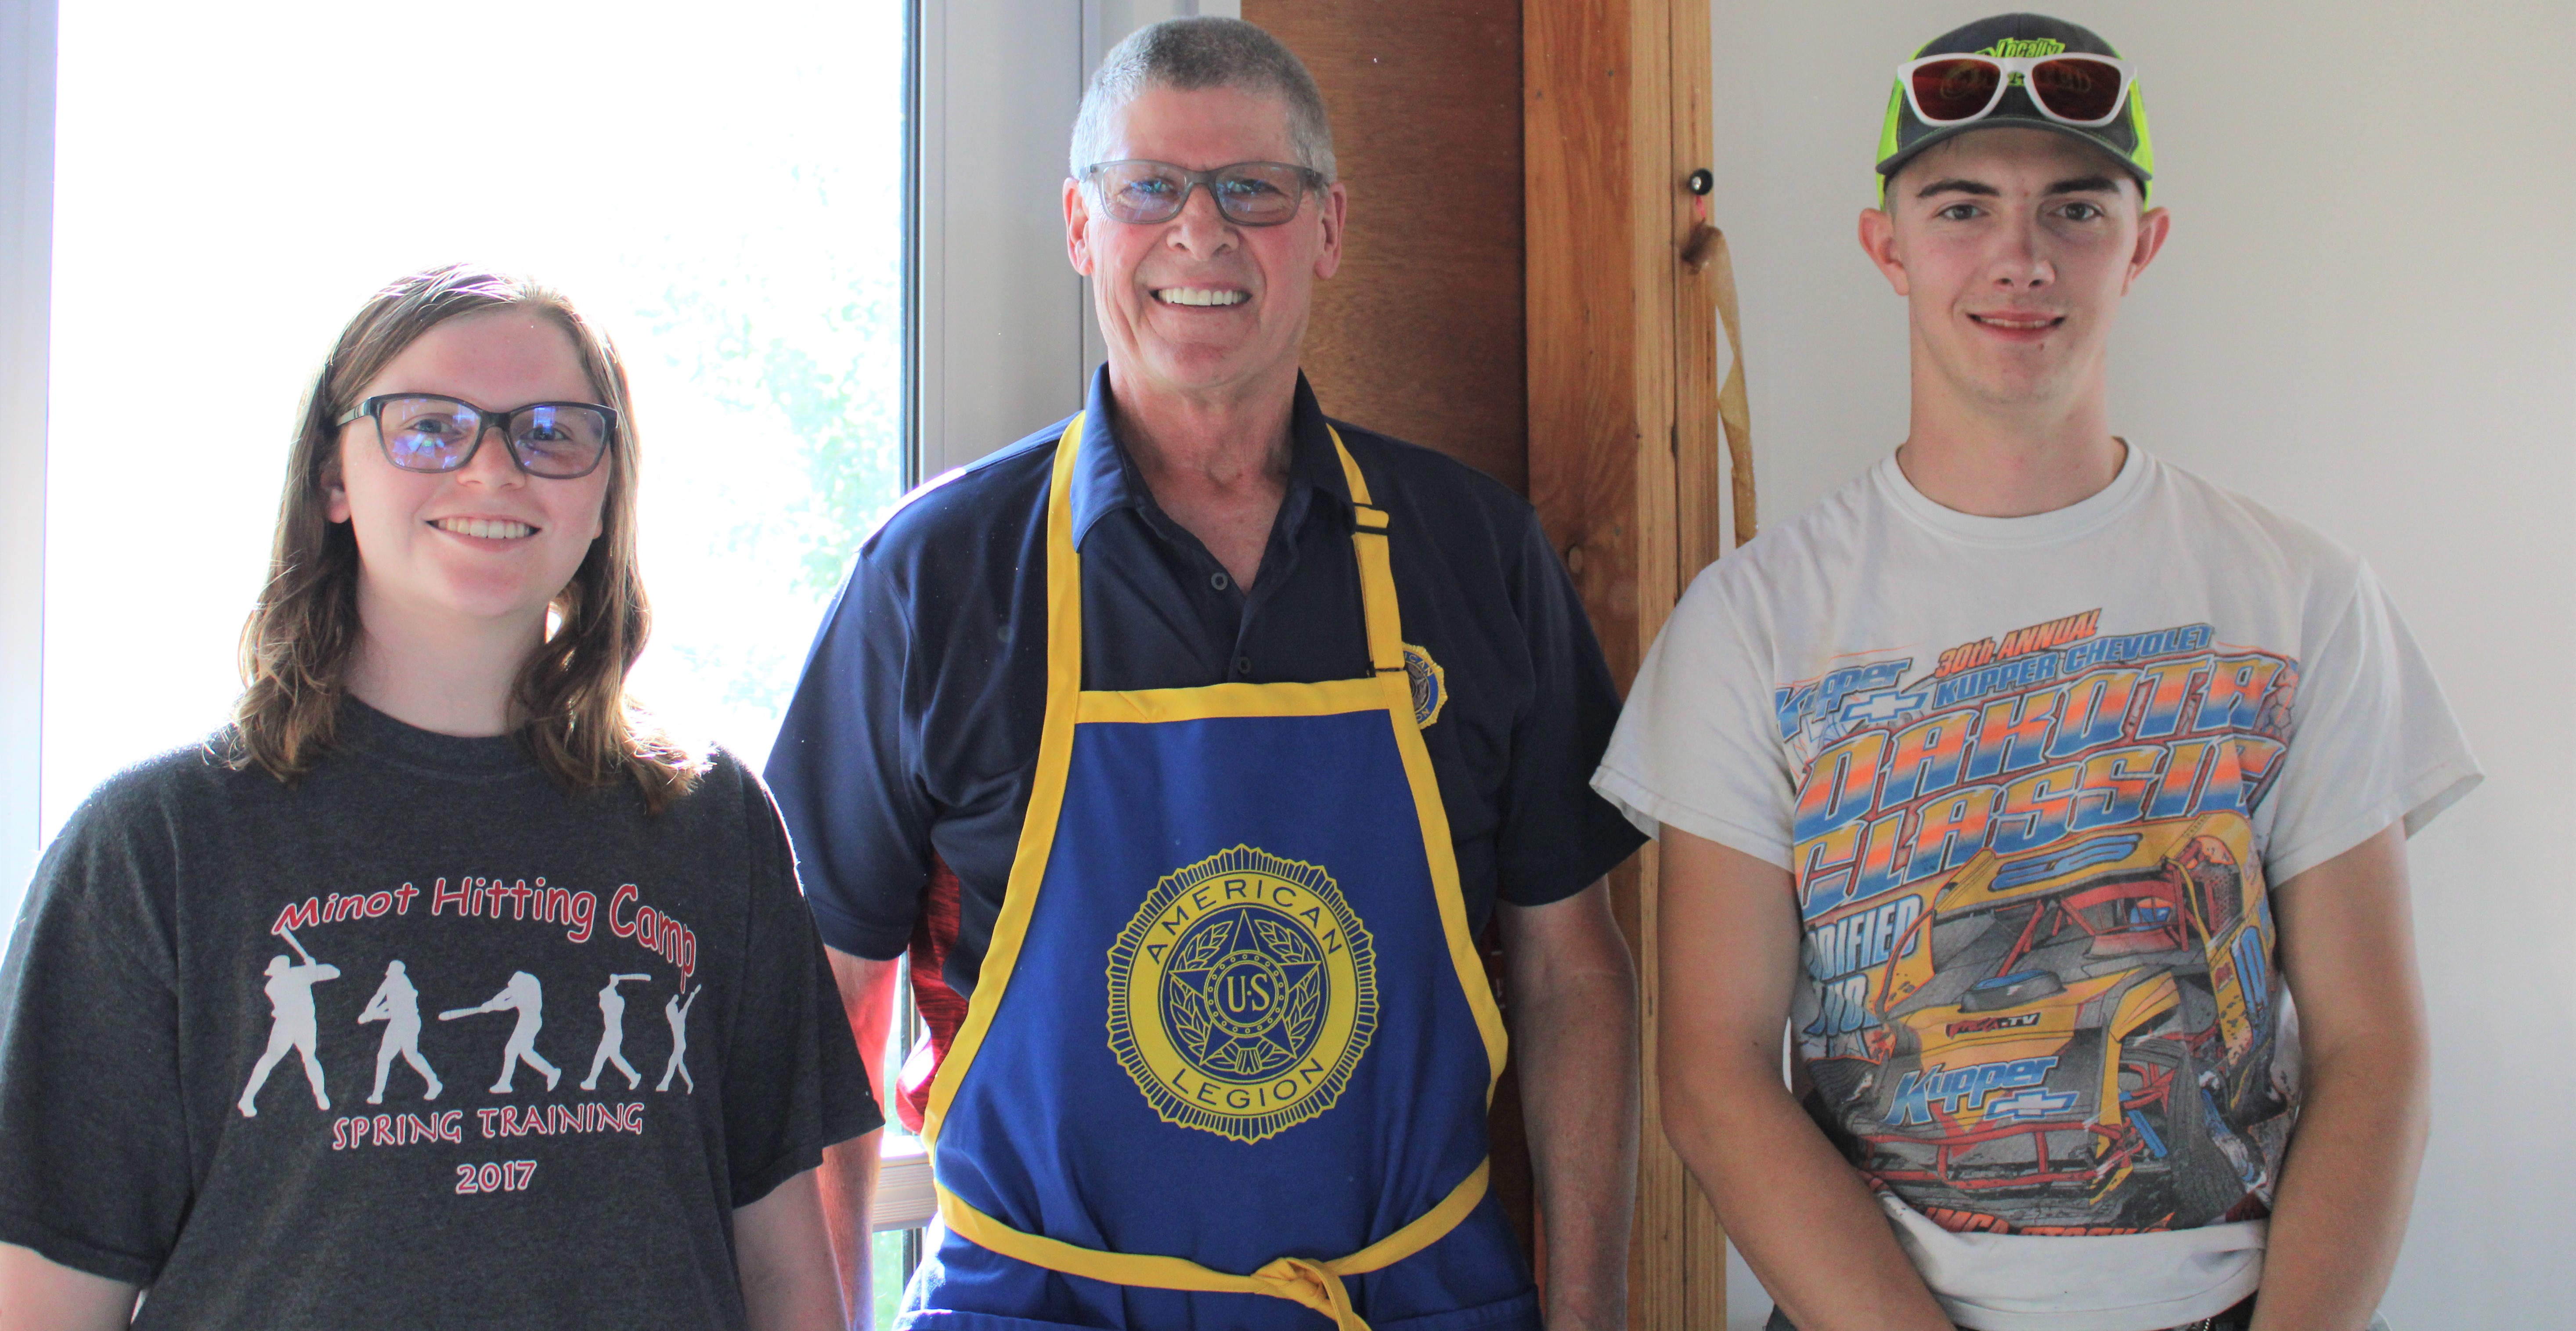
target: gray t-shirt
<point>420,1041</point>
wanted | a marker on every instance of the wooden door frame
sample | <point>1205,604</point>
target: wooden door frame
<point>1624,450</point>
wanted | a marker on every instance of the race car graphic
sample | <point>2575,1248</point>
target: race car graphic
<point>2079,1036</point>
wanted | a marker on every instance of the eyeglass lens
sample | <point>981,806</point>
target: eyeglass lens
<point>1948,90</point>
<point>438,434</point>
<point>2074,88</point>
<point>2077,89</point>
<point>1248,193</point>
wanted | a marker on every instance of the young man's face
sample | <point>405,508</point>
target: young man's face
<point>2012,248</point>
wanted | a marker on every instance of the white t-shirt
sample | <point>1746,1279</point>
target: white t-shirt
<point>2035,778</point>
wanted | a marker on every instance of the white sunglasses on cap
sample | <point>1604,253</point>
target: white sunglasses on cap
<point>2070,88</point>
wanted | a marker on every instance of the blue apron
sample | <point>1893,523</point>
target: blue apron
<point>1229,1059</point>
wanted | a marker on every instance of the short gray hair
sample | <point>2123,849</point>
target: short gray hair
<point>1186,54</point>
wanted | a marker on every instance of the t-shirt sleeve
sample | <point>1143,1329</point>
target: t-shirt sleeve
<point>95,1167</point>
<point>1698,747</point>
<point>793,1080</point>
<point>2374,741</point>
<point>844,778</point>
<point>1557,837</point>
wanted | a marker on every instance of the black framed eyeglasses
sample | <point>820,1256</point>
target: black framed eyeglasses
<point>427,432</point>
<point>1246,193</point>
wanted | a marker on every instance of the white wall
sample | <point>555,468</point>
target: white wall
<point>2366,318</point>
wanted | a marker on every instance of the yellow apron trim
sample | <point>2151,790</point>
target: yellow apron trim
<point>1386,654</point>
<point>1351,472</point>
<point>1331,698</point>
<point>1046,787</point>
<point>1446,891</point>
<point>1385,627</point>
<point>1315,1284</point>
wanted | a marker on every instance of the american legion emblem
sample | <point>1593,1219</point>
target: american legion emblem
<point>1430,684</point>
<point>1242,994</point>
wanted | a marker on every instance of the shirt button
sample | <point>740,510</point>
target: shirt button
<point>1218,581</point>
<point>1243,665</point>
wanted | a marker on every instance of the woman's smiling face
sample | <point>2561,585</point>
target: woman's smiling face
<point>487,543</point>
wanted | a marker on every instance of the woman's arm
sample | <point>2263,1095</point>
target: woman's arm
<point>850,1168</point>
<point>1801,1216</point>
<point>37,1294</point>
<point>784,1260</point>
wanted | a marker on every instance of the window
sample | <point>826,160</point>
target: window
<point>728,198</point>
<point>823,232</point>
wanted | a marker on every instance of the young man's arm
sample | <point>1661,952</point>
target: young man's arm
<point>849,1173</point>
<point>2347,951</point>
<point>1801,1216</point>
<point>1573,992</point>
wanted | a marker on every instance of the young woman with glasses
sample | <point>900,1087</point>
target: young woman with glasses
<point>294,1018</point>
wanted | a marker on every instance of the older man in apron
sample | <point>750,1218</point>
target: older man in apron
<point>1186,746</point>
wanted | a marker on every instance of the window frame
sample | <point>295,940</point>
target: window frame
<point>27,61</point>
<point>997,323</point>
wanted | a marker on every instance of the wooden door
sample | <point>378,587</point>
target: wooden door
<point>1513,294</point>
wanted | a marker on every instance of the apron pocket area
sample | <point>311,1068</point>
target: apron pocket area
<point>1517,1313</point>
<point>941,1319</point>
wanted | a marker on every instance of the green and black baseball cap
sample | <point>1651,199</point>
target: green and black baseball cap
<point>1964,96</point>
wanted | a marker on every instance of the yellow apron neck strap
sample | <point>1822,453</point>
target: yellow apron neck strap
<point>1064,563</point>
<point>1064,568</point>
<point>1377,573</point>
<point>1350,468</point>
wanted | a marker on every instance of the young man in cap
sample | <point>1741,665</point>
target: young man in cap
<point>2016,778</point>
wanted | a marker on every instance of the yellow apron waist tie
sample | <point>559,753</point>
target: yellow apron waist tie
<point>1317,1285</point>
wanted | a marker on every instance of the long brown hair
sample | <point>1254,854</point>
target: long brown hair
<point>569,703</point>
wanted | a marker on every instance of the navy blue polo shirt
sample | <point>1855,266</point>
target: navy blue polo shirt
<point>914,731</point>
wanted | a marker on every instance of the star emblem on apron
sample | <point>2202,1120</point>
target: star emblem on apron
<point>1242,994</point>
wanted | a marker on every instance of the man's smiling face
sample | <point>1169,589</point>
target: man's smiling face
<point>1198,303</point>
<point>2013,248</point>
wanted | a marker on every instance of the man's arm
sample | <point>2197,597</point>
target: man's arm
<point>849,1173</point>
<point>779,1254</point>
<point>1573,994</point>
<point>2347,951</point>
<point>38,1294</point>
<point>1801,1216</point>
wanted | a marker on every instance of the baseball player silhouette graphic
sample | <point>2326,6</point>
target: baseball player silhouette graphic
<point>612,1035</point>
<point>528,998</point>
<point>677,1013</point>
<point>397,1005</point>
<point>290,1004</point>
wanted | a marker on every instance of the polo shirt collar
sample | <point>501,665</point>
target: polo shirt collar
<point>1105,478</point>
